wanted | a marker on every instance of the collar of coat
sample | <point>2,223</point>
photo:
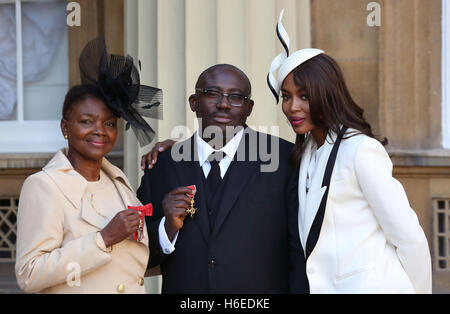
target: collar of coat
<point>309,202</point>
<point>71,183</point>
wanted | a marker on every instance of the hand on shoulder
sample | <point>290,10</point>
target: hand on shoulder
<point>149,160</point>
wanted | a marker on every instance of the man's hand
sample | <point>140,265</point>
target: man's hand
<point>151,158</point>
<point>175,204</point>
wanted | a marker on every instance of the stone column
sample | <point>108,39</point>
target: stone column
<point>410,71</point>
<point>340,29</point>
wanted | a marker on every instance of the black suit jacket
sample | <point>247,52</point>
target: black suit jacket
<point>247,251</point>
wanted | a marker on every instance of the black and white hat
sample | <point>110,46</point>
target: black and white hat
<point>284,62</point>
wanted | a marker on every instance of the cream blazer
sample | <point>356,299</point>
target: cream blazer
<point>371,240</point>
<point>58,248</point>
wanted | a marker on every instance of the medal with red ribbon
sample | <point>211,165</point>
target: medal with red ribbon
<point>192,210</point>
<point>146,210</point>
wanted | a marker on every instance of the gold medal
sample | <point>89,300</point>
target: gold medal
<point>140,231</point>
<point>192,209</point>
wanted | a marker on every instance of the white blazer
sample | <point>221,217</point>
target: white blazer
<point>371,240</point>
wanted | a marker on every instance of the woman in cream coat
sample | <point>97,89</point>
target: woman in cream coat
<point>75,230</point>
<point>357,232</point>
<point>59,245</point>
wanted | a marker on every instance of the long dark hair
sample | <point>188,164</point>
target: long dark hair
<point>330,102</point>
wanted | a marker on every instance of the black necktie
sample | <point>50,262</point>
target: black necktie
<point>213,180</point>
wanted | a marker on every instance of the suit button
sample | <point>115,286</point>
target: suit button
<point>121,288</point>
<point>141,281</point>
<point>212,263</point>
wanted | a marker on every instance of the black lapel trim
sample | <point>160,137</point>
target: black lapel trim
<point>314,233</point>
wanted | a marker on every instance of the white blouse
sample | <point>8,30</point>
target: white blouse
<point>315,156</point>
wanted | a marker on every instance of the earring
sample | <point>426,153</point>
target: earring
<point>66,137</point>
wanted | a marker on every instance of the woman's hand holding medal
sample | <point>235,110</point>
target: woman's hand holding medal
<point>121,227</point>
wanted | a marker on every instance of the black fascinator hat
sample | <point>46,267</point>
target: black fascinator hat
<point>116,78</point>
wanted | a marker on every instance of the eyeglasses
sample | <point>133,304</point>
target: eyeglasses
<point>215,97</point>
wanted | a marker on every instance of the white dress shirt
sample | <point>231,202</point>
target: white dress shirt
<point>204,151</point>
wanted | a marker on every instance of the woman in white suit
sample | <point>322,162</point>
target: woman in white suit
<point>355,226</point>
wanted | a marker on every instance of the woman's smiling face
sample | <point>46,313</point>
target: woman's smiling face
<point>91,129</point>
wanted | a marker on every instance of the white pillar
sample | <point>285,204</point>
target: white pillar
<point>140,43</point>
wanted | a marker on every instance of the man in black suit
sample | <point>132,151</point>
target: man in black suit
<point>237,240</point>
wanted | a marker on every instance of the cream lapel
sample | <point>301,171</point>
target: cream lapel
<point>73,185</point>
<point>91,215</point>
<point>70,182</point>
<point>89,212</point>
<point>121,182</point>
<point>314,196</point>
<point>125,190</point>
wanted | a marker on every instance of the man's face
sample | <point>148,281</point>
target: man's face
<point>221,114</point>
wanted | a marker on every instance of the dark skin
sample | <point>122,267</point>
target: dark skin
<point>223,79</point>
<point>295,107</point>
<point>150,159</point>
<point>239,115</point>
<point>91,130</point>
<point>222,115</point>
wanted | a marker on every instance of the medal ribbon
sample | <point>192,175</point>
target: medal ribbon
<point>146,210</point>
<point>191,210</point>
<point>194,189</point>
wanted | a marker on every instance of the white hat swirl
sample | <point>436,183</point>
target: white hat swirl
<point>284,62</point>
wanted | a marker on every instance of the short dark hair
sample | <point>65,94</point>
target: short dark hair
<point>223,66</point>
<point>76,94</point>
